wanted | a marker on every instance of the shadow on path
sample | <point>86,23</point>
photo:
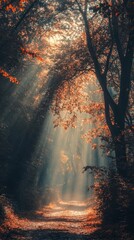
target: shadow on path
<point>63,221</point>
<point>48,234</point>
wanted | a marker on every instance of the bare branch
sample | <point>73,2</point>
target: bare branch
<point>125,83</point>
<point>80,7</point>
<point>116,34</point>
<point>85,6</point>
<point>108,59</point>
<point>100,76</point>
<point>25,14</point>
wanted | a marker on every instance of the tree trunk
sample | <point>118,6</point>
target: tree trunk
<point>117,133</point>
<point>120,154</point>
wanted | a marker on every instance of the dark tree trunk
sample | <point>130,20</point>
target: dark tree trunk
<point>120,154</point>
<point>117,133</point>
<point>115,113</point>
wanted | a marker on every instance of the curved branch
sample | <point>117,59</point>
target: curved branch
<point>100,76</point>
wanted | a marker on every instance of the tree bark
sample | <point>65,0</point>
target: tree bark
<point>120,154</point>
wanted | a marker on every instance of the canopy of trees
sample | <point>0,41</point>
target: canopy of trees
<point>53,54</point>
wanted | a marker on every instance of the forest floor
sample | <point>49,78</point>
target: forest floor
<point>62,221</point>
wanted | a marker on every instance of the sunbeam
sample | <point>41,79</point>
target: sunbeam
<point>65,154</point>
<point>66,122</point>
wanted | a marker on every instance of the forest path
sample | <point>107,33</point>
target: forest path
<point>63,221</point>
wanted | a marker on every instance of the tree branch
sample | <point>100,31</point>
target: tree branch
<point>108,59</point>
<point>125,83</point>
<point>25,14</point>
<point>115,33</point>
<point>80,7</point>
<point>85,6</point>
<point>101,78</point>
<point>107,114</point>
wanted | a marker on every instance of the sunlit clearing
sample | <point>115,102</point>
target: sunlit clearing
<point>65,154</point>
<point>60,153</point>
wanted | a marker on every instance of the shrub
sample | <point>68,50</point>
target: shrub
<point>114,198</point>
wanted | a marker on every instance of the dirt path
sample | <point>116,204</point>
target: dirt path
<point>62,221</point>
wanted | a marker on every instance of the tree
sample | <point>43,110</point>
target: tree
<point>105,50</point>
<point>110,44</point>
<point>109,40</point>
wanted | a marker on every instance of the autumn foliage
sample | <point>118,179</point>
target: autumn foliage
<point>74,59</point>
<point>8,76</point>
